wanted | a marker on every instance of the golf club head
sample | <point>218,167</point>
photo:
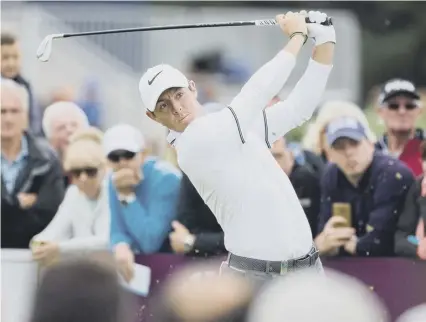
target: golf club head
<point>45,48</point>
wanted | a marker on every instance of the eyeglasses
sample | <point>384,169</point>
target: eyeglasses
<point>89,171</point>
<point>396,106</point>
<point>116,156</point>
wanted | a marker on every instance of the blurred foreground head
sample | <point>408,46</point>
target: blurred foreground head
<point>82,291</point>
<point>192,296</point>
<point>307,296</point>
<point>415,314</point>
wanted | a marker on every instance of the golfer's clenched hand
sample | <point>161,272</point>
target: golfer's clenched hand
<point>292,22</point>
<point>319,33</point>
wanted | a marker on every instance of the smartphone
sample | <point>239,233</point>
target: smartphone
<point>343,209</point>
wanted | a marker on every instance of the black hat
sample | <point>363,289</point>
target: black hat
<point>396,87</point>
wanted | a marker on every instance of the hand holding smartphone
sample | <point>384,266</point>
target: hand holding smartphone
<point>342,209</point>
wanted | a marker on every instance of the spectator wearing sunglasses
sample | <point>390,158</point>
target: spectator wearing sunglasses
<point>143,195</point>
<point>83,219</point>
<point>400,107</point>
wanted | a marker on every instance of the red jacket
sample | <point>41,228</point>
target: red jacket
<point>411,154</point>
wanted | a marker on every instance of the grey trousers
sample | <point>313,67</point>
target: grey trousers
<point>260,278</point>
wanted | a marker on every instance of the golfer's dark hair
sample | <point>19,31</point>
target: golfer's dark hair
<point>80,291</point>
<point>7,39</point>
<point>423,150</point>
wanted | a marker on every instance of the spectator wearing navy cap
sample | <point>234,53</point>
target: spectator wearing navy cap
<point>400,107</point>
<point>362,194</point>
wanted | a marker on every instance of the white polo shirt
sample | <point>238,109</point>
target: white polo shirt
<point>227,158</point>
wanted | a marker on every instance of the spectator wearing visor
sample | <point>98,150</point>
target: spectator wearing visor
<point>143,193</point>
<point>363,192</point>
<point>400,108</point>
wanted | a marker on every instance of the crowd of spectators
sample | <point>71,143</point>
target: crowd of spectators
<point>68,187</point>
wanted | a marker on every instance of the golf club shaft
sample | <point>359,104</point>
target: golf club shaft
<point>262,22</point>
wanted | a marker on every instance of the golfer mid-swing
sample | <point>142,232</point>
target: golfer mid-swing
<point>226,154</point>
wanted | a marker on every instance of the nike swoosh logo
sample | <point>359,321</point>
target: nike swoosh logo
<point>152,80</point>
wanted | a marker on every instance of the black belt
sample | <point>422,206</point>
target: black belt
<point>277,267</point>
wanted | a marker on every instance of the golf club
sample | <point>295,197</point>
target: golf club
<point>45,48</point>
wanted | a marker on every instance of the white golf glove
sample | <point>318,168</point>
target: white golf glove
<point>320,34</point>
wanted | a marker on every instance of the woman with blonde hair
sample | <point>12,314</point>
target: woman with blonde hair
<point>83,219</point>
<point>314,139</point>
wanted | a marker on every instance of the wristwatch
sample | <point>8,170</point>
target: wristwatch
<point>126,199</point>
<point>188,243</point>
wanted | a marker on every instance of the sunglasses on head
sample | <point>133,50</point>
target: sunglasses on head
<point>89,171</point>
<point>395,106</point>
<point>116,156</point>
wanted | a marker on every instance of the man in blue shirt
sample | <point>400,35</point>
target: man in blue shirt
<point>142,194</point>
<point>362,194</point>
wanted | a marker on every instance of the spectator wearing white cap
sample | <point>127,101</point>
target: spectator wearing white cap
<point>142,194</point>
